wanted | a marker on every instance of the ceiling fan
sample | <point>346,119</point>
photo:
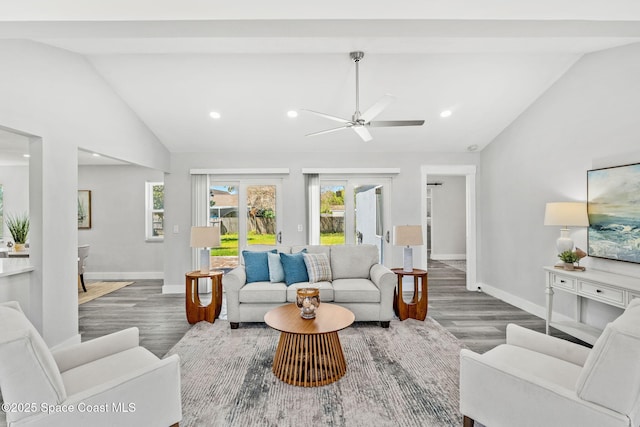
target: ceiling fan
<point>360,121</point>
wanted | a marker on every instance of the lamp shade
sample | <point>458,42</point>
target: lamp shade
<point>407,235</point>
<point>205,237</point>
<point>566,214</point>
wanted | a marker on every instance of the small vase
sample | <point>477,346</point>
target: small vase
<point>18,247</point>
<point>569,266</point>
<point>308,301</point>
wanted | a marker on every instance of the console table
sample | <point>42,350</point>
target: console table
<point>608,288</point>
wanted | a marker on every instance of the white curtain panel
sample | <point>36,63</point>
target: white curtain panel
<point>313,208</point>
<point>199,218</point>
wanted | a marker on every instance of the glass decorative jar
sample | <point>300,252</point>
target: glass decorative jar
<point>308,301</point>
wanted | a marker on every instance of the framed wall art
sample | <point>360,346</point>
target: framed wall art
<point>613,205</point>
<point>84,208</point>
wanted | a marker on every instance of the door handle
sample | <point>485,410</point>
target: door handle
<point>279,239</point>
<point>387,236</point>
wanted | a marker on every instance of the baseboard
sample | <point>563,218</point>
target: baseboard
<point>447,257</point>
<point>75,339</point>
<point>125,275</point>
<point>521,303</point>
<point>173,289</point>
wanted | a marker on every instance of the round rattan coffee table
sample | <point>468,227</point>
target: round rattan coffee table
<point>309,353</point>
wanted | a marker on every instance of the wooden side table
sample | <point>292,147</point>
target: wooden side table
<point>417,308</point>
<point>195,310</point>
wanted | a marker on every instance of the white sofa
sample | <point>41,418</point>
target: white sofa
<point>539,380</point>
<point>359,283</point>
<point>108,381</point>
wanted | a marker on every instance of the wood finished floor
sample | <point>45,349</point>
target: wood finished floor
<point>476,319</point>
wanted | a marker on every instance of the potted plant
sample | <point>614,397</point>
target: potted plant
<point>19,228</point>
<point>569,258</point>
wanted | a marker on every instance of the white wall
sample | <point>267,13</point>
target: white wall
<point>57,97</point>
<point>406,203</point>
<point>117,234</point>
<point>15,187</point>
<point>448,217</point>
<point>588,118</point>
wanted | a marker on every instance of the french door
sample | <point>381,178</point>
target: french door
<point>248,212</point>
<point>355,211</point>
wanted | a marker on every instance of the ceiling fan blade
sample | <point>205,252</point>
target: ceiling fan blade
<point>377,108</point>
<point>327,131</point>
<point>391,123</point>
<point>362,132</point>
<point>328,116</point>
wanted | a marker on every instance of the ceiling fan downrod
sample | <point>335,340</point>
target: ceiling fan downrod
<point>357,56</point>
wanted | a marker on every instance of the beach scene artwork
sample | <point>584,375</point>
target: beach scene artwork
<point>614,212</point>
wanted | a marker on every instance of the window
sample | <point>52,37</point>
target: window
<point>154,208</point>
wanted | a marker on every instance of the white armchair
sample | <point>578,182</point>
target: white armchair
<point>107,381</point>
<point>539,380</point>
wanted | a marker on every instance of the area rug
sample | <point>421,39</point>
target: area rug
<point>406,375</point>
<point>98,289</point>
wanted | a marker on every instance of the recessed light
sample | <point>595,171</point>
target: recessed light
<point>214,115</point>
<point>293,114</point>
<point>96,155</point>
<point>445,113</point>
<point>472,147</point>
<point>26,156</point>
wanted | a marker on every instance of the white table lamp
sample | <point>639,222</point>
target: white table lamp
<point>407,235</point>
<point>566,214</point>
<point>205,237</point>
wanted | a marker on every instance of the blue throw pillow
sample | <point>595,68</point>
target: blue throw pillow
<point>256,265</point>
<point>295,270</point>
<point>276,272</point>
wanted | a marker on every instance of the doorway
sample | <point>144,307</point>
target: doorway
<point>429,175</point>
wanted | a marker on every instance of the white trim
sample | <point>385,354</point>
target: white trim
<point>125,275</point>
<point>75,339</point>
<point>149,211</point>
<point>351,171</point>
<point>173,289</point>
<point>450,169</point>
<point>521,303</point>
<point>469,171</point>
<point>244,171</point>
<point>445,257</point>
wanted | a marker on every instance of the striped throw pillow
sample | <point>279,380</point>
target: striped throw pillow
<point>318,267</point>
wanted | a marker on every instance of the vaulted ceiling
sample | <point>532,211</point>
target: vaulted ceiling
<point>485,61</point>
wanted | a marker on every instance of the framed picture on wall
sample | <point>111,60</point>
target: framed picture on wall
<point>84,208</point>
<point>614,213</point>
